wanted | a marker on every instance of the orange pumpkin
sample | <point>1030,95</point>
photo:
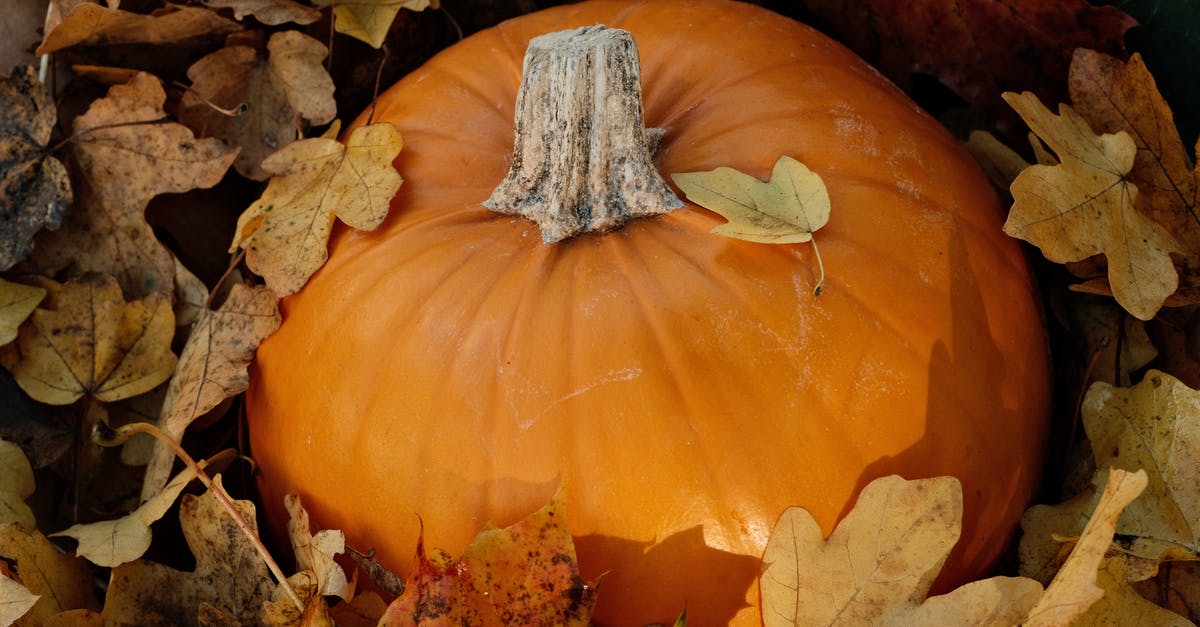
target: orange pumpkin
<point>686,388</point>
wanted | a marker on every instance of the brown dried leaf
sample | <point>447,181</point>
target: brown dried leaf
<point>273,94</point>
<point>92,24</point>
<point>61,580</point>
<point>1001,163</point>
<point>286,231</point>
<point>314,553</point>
<point>230,581</point>
<point>17,302</point>
<point>439,592</point>
<point>1175,587</point>
<point>364,610</point>
<point>1086,206</point>
<point>879,563</point>
<point>1116,96</point>
<point>369,20</point>
<point>34,189</point>
<point>16,485</point>
<point>1117,341</point>
<point>15,600</point>
<point>87,340</point>
<point>269,12</point>
<point>1121,603</point>
<point>212,367</point>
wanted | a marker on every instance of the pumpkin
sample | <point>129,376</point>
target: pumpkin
<point>686,388</point>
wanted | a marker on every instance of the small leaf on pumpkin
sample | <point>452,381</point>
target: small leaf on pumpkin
<point>1086,206</point>
<point>17,302</point>
<point>369,20</point>
<point>85,339</point>
<point>286,231</point>
<point>880,562</point>
<point>61,580</point>
<point>269,12</point>
<point>16,485</point>
<point>88,23</point>
<point>213,366</point>
<point>34,189</point>
<point>271,91</point>
<point>787,209</point>
<point>439,592</point>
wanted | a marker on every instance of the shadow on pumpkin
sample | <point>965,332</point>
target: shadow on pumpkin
<point>959,438</point>
<point>685,568</point>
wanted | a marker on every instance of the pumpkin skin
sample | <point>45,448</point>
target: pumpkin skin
<point>686,388</point>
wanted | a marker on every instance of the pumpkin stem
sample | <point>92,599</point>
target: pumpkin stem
<point>582,159</point>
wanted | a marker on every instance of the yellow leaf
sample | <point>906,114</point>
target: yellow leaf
<point>16,303</point>
<point>1085,206</point>
<point>16,485</point>
<point>61,580</point>
<point>369,20</point>
<point>315,552</point>
<point>1121,603</point>
<point>286,231</point>
<point>87,340</point>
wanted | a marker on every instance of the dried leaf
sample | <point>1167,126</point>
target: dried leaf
<point>114,542</point>
<point>1074,588</point>
<point>86,339</point>
<point>61,580</point>
<point>269,12</point>
<point>1086,206</point>
<point>1176,587</point>
<point>1117,341</point>
<point>286,231</point>
<point>34,190</point>
<point>16,485</point>
<point>439,592</point>
<point>128,153</point>
<point>212,367</point>
<point>271,92</point>
<point>92,24</point>
<point>15,600</point>
<point>879,563</point>
<point>1116,96</point>
<point>1001,163</point>
<point>369,20</point>
<point>315,552</point>
<point>364,610</point>
<point>1122,605</point>
<point>17,302</point>
<point>230,581</point>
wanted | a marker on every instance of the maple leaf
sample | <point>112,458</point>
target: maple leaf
<point>34,190</point>
<point>128,153</point>
<point>369,20</point>
<point>286,231</point>
<point>1086,206</point>
<point>212,367</point>
<point>61,580</point>
<point>87,340</point>
<point>787,209</point>
<point>979,48</point>
<point>87,24</point>
<point>17,301</point>
<point>272,92</point>
<point>16,485</point>
<point>230,582</point>
<point>269,12</point>
<point>1116,96</point>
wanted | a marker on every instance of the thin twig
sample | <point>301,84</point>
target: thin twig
<point>378,79</point>
<point>237,261</point>
<point>821,266</point>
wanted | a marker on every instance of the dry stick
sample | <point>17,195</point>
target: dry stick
<point>378,78</point>
<point>237,261</point>
<point>104,435</point>
<point>820,265</point>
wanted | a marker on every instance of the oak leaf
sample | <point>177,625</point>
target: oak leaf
<point>1086,205</point>
<point>92,24</point>
<point>85,339</point>
<point>230,582</point>
<point>16,485</point>
<point>1116,96</point>
<point>128,153</point>
<point>315,553</point>
<point>1121,603</point>
<point>35,192</point>
<point>286,231</point>
<point>212,367</point>
<point>271,91</point>
<point>15,600</point>
<point>61,580</point>
<point>369,20</point>
<point>269,12</point>
<point>17,302</point>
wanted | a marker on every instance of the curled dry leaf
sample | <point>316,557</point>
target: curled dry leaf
<point>16,485</point>
<point>272,92</point>
<point>880,562</point>
<point>369,20</point>
<point>89,24</point>
<point>269,12</point>
<point>61,580</point>
<point>1086,206</point>
<point>128,153</point>
<point>230,582</point>
<point>114,542</point>
<point>212,367</point>
<point>17,302</point>
<point>315,553</point>
<point>286,231</point>
<point>86,339</point>
<point>34,190</point>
